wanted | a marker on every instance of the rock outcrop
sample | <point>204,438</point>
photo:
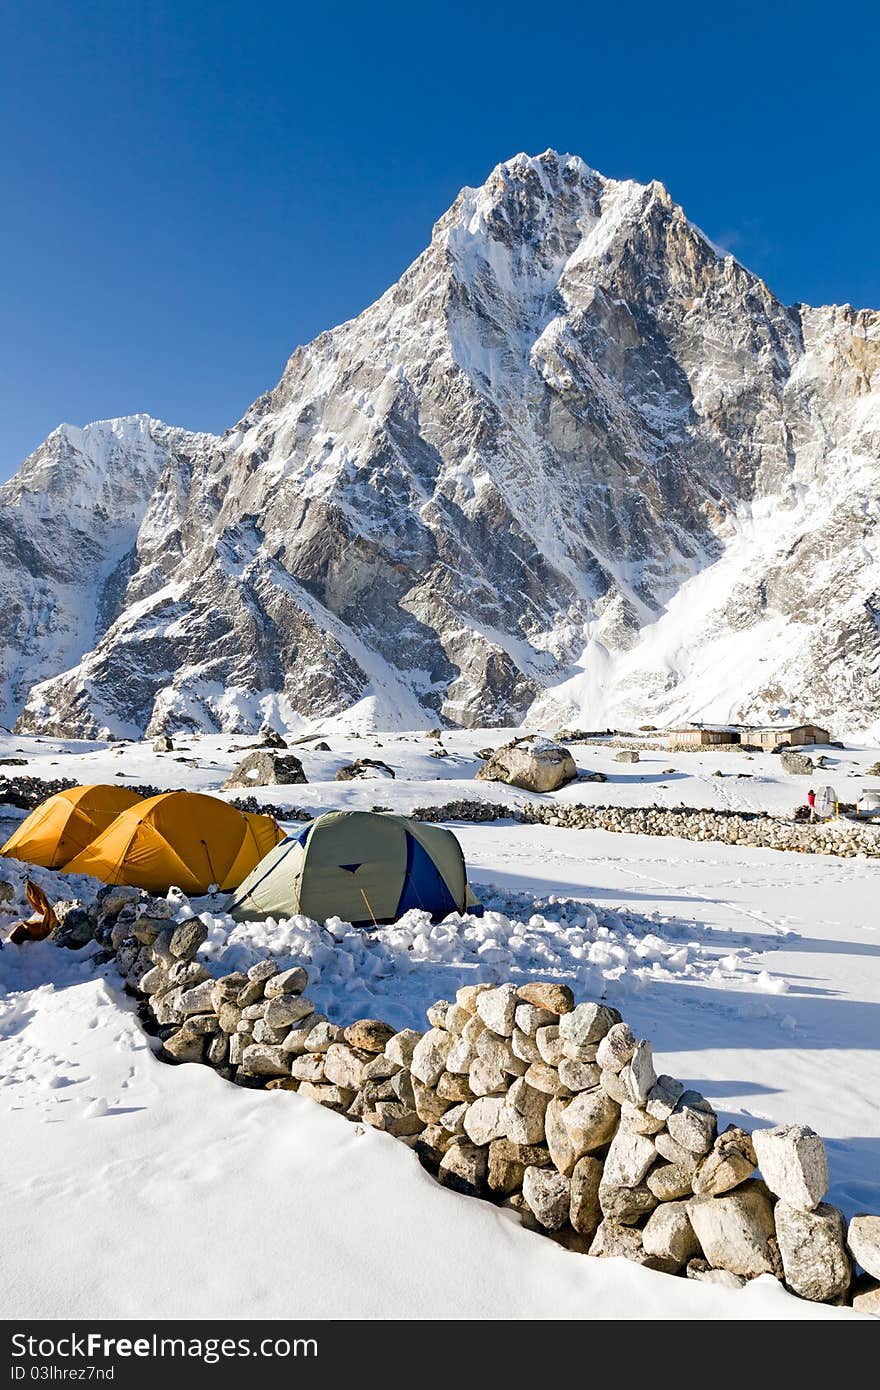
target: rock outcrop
<point>263,768</point>
<point>801,764</point>
<point>369,769</point>
<point>532,764</point>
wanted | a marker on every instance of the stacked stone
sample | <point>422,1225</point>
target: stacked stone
<point>655,741</point>
<point>471,811</point>
<point>811,1234</point>
<point>252,1025</point>
<point>27,793</point>
<point>556,1109</point>
<point>251,806</point>
<point>519,1095</point>
<point>842,838</point>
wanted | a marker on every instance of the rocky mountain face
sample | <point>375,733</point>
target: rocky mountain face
<point>576,466</point>
<point>69,520</point>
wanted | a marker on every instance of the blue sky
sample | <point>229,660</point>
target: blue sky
<point>191,189</point>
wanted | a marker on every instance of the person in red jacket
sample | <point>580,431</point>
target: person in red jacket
<point>811,802</point>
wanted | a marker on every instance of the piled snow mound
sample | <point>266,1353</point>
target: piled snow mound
<point>400,968</point>
<point>55,884</point>
<point>518,936</point>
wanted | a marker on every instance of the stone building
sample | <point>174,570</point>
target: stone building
<point>702,736</point>
<point>769,737</point>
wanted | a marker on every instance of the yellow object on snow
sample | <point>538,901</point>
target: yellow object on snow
<point>66,823</point>
<point>179,839</point>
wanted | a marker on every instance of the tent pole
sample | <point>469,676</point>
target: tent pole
<point>369,909</point>
<point>214,878</point>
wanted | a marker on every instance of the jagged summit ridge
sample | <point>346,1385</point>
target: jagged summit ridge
<point>577,464</point>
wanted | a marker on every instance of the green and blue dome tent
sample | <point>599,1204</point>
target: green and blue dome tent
<point>366,867</point>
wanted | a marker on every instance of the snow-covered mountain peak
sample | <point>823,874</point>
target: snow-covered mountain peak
<point>107,462</point>
<point>532,208</point>
<point>541,203</point>
<point>69,520</point>
<point>577,465</point>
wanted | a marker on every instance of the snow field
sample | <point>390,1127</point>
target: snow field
<point>754,973</point>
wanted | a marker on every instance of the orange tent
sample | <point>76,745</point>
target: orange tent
<point>63,825</point>
<point>180,839</point>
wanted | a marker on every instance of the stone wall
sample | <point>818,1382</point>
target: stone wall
<point>657,742</point>
<point>845,839</point>
<point>26,793</point>
<point>518,1095</point>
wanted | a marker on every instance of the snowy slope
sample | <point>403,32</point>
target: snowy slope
<point>576,466</point>
<point>135,1163</point>
<point>752,972</point>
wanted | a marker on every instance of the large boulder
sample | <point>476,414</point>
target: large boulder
<point>668,1233</point>
<point>585,1213</point>
<point>368,1034</point>
<point>428,1061</point>
<point>484,1120</point>
<point>533,764</point>
<point>626,1205</point>
<point>266,769</point>
<point>464,1168</point>
<point>555,998</point>
<point>370,769</point>
<point>264,1059</point>
<point>584,1028</point>
<point>692,1123</point>
<point>270,738</point>
<point>617,1048</point>
<point>797,763</point>
<point>562,1148</point>
<point>628,1159</point>
<point>523,1112</point>
<point>497,1009</point>
<point>590,1121</point>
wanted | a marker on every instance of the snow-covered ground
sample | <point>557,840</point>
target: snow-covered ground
<point>749,781</point>
<point>755,973</point>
